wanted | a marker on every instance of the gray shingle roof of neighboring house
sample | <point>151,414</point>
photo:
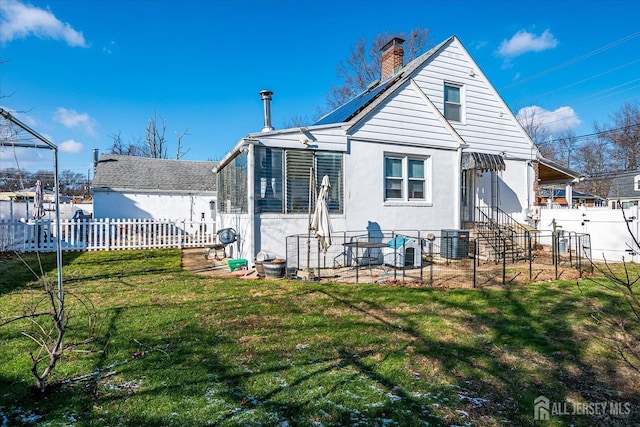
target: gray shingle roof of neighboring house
<point>622,186</point>
<point>116,172</point>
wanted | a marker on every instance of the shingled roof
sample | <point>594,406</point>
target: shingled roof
<point>116,172</point>
<point>623,186</point>
<point>378,91</point>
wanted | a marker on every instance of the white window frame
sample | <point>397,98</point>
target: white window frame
<point>405,179</point>
<point>636,183</point>
<point>461,104</point>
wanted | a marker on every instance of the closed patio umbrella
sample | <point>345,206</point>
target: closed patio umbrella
<point>38,209</point>
<point>38,201</point>
<point>320,222</point>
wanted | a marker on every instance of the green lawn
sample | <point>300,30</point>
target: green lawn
<point>174,348</point>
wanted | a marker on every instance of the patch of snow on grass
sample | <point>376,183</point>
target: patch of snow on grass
<point>353,395</point>
<point>394,397</point>
<point>475,402</point>
<point>29,418</point>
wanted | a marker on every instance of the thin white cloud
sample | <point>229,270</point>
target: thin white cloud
<point>523,42</point>
<point>72,119</point>
<point>556,121</point>
<point>71,146</point>
<point>24,158</point>
<point>109,48</point>
<point>479,45</point>
<point>19,20</point>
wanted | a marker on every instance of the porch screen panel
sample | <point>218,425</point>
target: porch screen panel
<point>330,164</point>
<point>268,191</point>
<point>232,186</point>
<point>298,164</point>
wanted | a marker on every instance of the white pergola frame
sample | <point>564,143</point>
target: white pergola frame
<point>40,142</point>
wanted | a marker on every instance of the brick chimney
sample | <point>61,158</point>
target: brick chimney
<point>392,57</point>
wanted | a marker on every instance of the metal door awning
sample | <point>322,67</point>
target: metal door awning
<point>482,161</point>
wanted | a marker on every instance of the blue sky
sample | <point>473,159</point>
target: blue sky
<point>82,71</point>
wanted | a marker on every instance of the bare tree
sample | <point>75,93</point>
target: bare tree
<point>593,158</point>
<point>125,149</point>
<point>362,67</point>
<point>565,148</point>
<point>72,183</point>
<point>46,319</point>
<point>624,134</point>
<point>179,152</point>
<point>532,123</point>
<point>296,121</point>
<point>155,142</point>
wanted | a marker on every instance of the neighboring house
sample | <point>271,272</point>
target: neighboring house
<point>30,194</point>
<point>554,177</point>
<point>559,197</point>
<point>420,149</point>
<point>148,188</point>
<point>624,190</point>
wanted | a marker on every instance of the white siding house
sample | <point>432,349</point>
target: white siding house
<point>419,150</point>
<point>147,188</point>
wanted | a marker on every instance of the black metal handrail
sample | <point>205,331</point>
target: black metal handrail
<point>508,235</point>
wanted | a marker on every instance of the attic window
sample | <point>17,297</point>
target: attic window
<point>453,102</point>
<point>636,183</point>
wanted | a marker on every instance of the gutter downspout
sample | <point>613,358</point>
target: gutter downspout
<point>458,180</point>
<point>529,184</point>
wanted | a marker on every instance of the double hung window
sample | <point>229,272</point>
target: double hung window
<point>405,178</point>
<point>453,102</point>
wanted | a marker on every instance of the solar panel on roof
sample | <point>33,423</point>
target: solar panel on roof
<point>351,108</point>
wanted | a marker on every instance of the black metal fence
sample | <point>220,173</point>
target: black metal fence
<point>443,258</point>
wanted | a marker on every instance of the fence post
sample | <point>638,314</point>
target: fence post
<point>579,255</point>
<point>395,255</point>
<point>107,234</point>
<point>421,263</point>
<point>318,249</point>
<point>298,263</point>
<point>571,233</point>
<point>475,255</point>
<point>556,252</point>
<point>504,261</point>
<point>430,262</point>
<point>530,254</point>
<point>344,252</point>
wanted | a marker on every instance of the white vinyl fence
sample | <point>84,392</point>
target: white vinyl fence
<point>104,234</point>
<point>611,236</point>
